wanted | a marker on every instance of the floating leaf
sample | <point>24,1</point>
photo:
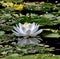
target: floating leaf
<point>48,15</point>
<point>6,16</point>
<point>17,1</point>
<point>52,35</point>
<point>2,33</point>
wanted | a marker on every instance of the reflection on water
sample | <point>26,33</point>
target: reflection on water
<point>24,41</point>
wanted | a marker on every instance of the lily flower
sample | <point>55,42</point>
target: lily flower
<point>27,29</point>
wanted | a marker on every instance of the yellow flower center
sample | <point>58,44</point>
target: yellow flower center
<point>26,25</point>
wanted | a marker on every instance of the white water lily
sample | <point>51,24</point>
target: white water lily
<point>27,29</point>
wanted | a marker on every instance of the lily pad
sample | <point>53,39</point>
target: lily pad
<point>53,35</point>
<point>2,33</point>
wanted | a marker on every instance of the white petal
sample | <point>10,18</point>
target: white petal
<point>36,33</point>
<point>15,33</point>
<point>35,29</point>
<point>24,29</point>
<point>32,26</point>
<point>20,28</point>
<point>28,32</point>
<point>16,29</point>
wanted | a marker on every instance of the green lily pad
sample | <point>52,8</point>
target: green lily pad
<point>49,15</point>
<point>2,33</point>
<point>53,35</point>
